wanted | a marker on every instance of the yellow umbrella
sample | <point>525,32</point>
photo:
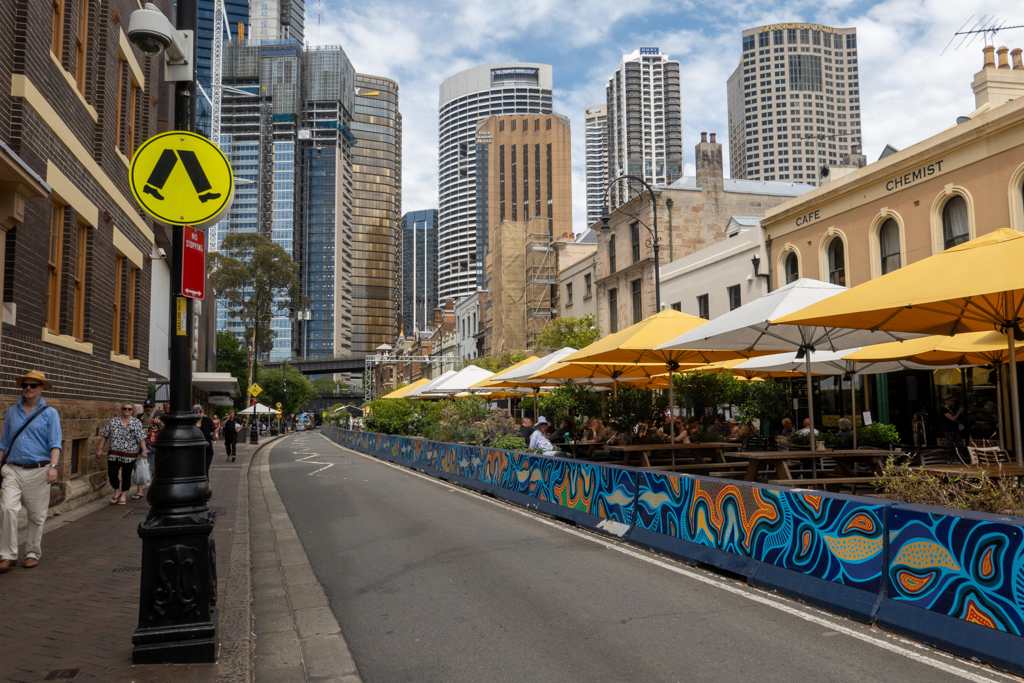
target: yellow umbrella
<point>600,373</point>
<point>977,286</point>
<point>400,393</point>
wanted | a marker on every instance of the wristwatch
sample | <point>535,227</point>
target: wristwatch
<point>53,466</point>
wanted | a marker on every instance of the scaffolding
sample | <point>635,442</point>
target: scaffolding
<point>541,277</point>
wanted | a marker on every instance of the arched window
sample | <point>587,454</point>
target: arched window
<point>955,228</point>
<point>889,244</point>
<point>837,262</point>
<point>792,268</point>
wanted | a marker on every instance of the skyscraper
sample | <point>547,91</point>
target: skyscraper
<point>278,19</point>
<point>376,211</point>
<point>419,269</point>
<point>596,120</point>
<point>237,12</point>
<point>645,121</point>
<point>465,99</point>
<point>794,102</point>
<point>290,144</point>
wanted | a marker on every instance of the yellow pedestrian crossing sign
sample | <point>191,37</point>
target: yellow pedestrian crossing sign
<point>255,390</point>
<point>181,178</point>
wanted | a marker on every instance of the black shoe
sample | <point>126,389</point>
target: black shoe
<point>149,189</point>
<point>208,196</point>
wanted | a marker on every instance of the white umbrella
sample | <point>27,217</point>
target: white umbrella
<point>459,382</point>
<point>749,329</point>
<point>521,376</point>
<point>420,393</point>
<point>258,409</point>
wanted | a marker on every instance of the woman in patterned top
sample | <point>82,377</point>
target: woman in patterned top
<point>127,439</point>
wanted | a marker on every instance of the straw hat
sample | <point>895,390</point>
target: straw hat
<point>33,376</point>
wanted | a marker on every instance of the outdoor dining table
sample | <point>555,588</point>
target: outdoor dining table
<point>645,450</point>
<point>993,471</point>
<point>843,473</point>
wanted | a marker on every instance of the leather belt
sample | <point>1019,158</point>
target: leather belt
<point>123,454</point>
<point>31,466</point>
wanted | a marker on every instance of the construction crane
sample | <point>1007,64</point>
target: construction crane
<point>217,66</point>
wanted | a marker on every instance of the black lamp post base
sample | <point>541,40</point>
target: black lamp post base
<point>196,644</point>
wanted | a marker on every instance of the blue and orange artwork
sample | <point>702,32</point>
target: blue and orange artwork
<point>605,492</point>
<point>838,539</point>
<point>967,568</point>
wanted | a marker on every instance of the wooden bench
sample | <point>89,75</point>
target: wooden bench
<point>701,466</point>
<point>825,481</point>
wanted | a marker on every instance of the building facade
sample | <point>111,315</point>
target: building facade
<point>76,100</point>
<point>945,190</point>
<point>278,20</point>
<point>645,121</point>
<point>468,325</point>
<point>290,146</point>
<point>376,213</point>
<point>419,269</point>
<point>513,88</point>
<point>596,121</point>
<point>794,102</point>
<point>577,265</point>
<point>693,214</point>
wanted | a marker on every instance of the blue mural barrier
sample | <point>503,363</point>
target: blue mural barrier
<point>955,581</point>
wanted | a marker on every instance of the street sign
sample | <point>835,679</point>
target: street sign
<point>279,413</point>
<point>324,414</point>
<point>181,178</point>
<point>278,407</point>
<point>193,263</point>
<point>255,390</point>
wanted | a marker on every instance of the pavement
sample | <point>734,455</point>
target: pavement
<point>72,617</point>
<point>431,582</point>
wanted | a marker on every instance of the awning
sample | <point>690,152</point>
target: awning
<point>216,383</point>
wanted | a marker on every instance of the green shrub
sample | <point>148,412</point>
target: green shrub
<point>996,496</point>
<point>389,416</point>
<point>509,442</point>
<point>878,435</point>
<point>799,439</point>
<point>634,406</point>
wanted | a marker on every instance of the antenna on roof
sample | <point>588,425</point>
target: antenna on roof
<point>987,27</point>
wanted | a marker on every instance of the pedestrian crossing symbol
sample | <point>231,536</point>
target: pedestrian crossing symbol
<point>181,178</point>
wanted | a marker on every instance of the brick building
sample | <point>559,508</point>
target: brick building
<point>76,100</point>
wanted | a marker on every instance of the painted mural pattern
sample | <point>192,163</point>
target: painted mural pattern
<point>966,568</point>
<point>837,539</point>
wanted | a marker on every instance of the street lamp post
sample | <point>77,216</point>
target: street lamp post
<point>178,592</point>
<point>605,228</point>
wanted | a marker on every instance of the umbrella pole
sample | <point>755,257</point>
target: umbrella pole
<point>671,418</point>
<point>1014,398</point>
<point>535,390</point>
<point>999,404</point>
<point>810,400</point>
<point>853,407</point>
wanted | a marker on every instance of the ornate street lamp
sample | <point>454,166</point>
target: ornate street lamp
<point>606,229</point>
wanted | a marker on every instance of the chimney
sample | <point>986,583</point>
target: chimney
<point>709,164</point>
<point>438,317</point>
<point>995,86</point>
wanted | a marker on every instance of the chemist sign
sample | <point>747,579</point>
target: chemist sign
<point>193,263</point>
<point>180,178</point>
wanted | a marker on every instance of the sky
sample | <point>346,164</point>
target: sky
<point>912,85</point>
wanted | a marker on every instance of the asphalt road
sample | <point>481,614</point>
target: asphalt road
<point>431,583</point>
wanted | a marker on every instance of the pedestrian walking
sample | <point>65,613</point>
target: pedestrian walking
<point>216,428</point>
<point>230,428</point>
<point>205,425</point>
<point>127,439</point>
<point>29,452</point>
<point>152,426</point>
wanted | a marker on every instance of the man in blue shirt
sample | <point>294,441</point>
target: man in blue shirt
<point>30,450</point>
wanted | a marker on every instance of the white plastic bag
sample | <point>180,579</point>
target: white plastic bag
<point>142,475</point>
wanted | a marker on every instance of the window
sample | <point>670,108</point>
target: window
<point>613,311</point>
<point>57,30</point>
<point>611,254</point>
<point>81,45</point>
<point>792,268</point>
<point>568,294</point>
<point>586,284</point>
<point>115,343</point>
<point>638,301</point>
<point>702,307</point>
<point>734,297</point>
<point>889,242</point>
<point>54,267</point>
<point>133,273</point>
<point>634,241</point>
<point>81,254</point>
<point>677,306</point>
<point>805,73</point>
<point>837,262</point>
<point>128,91</point>
<point>78,456</point>
<point>955,222</point>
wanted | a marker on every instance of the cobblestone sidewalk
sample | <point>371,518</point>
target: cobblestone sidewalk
<point>75,613</point>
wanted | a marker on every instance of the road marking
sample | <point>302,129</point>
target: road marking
<point>828,622</point>
<point>310,462</point>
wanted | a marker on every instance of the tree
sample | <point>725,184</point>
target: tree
<point>697,391</point>
<point>632,407</point>
<point>503,360</point>
<point>290,388</point>
<point>231,358</point>
<point>255,279</point>
<point>765,401</point>
<point>326,386</point>
<point>574,332</point>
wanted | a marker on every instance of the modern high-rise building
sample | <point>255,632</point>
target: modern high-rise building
<point>645,122</point>
<point>376,212</point>
<point>289,144</point>
<point>466,98</point>
<point>794,102</point>
<point>419,269</point>
<point>237,13</point>
<point>596,121</point>
<point>278,20</point>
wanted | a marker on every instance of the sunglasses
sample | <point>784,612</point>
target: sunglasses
<point>127,408</point>
<point>30,385</point>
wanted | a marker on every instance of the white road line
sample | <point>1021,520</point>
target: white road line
<point>311,462</point>
<point>828,622</point>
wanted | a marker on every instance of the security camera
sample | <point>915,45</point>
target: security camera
<point>153,33</point>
